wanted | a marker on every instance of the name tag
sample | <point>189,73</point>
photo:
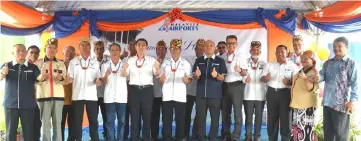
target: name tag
<point>214,64</point>
<point>201,63</point>
<point>28,71</point>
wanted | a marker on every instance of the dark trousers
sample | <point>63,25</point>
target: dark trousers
<point>127,114</point>
<point>179,108</point>
<point>336,125</point>
<point>141,108</point>
<point>101,105</point>
<point>26,116</point>
<point>202,106</point>
<point>253,107</point>
<point>92,113</point>
<point>189,108</point>
<point>37,126</point>
<point>67,116</point>
<point>226,117</point>
<point>278,110</point>
<point>233,95</point>
<point>157,105</point>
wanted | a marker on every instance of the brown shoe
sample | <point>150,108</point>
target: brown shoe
<point>248,138</point>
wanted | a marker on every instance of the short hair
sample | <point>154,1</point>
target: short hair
<point>231,37</point>
<point>142,39</point>
<point>222,42</point>
<point>19,45</point>
<point>115,44</point>
<point>33,47</point>
<point>282,46</point>
<point>72,48</point>
<point>341,39</point>
<point>297,38</point>
<point>99,43</point>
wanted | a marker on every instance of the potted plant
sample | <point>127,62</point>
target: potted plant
<point>18,136</point>
<point>318,130</point>
<point>2,131</point>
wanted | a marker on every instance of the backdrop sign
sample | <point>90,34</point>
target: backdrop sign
<point>190,32</point>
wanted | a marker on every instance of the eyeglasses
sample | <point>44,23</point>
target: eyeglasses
<point>231,44</point>
<point>256,43</point>
<point>297,37</point>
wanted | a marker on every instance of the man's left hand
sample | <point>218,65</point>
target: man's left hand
<point>349,107</point>
<point>286,81</point>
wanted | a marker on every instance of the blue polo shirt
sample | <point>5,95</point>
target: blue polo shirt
<point>207,86</point>
<point>20,85</point>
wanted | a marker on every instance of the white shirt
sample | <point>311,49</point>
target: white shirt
<point>192,87</point>
<point>84,87</point>
<point>279,72</point>
<point>144,75</point>
<point>256,89</point>
<point>116,89</point>
<point>100,89</point>
<point>232,60</point>
<point>174,88</point>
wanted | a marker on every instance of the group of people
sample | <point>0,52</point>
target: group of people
<point>45,93</point>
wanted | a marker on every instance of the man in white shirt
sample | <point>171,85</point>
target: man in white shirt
<point>99,56</point>
<point>161,50</point>
<point>278,76</point>
<point>141,71</point>
<point>295,56</point>
<point>85,75</point>
<point>192,91</point>
<point>233,89</point>
<point>176,73</point>
<point>114,74</point>
<point>254,93</point>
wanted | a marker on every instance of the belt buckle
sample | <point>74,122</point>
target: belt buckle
<point>141,86</point>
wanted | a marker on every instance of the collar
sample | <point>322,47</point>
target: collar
<point>81,58</point>
<point>47,59</point>
<point>179,59</point>
<point>251,61</point>
<point>25,63</point>
<point>344,58</point>
<point>213,56</point>
<point>105,59</point>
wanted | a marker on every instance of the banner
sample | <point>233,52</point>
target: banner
<point>189,32</point>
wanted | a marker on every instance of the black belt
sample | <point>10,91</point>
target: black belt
<point>235,82</point>
<point>141,86</point>
<point>278,89</point>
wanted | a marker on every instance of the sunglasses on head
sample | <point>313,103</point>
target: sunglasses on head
<point>255,43</point>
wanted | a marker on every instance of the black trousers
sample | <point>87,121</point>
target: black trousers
<point>37,126</point>
<point>188,117</point>
<point>157,105</point>
<point>202,106</point>
<point>141,108</point>
<point>67,116</point>
<point>78,107</point>
<point>101,105</point>
<point>253,107</point>
<point>232,95</point>
<point>26,116</point>
<point>278,110</point>
<point>179,109</point>
<point>336,125</point>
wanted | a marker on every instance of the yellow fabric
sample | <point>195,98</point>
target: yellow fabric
<point>43,88</point>
<point>301,97</point>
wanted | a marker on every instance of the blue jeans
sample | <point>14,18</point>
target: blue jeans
<point>118,110</point>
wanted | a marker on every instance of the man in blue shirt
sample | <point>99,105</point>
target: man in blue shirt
<point>209,70</point>
<point>340,93</point>
<point>19,101</point>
